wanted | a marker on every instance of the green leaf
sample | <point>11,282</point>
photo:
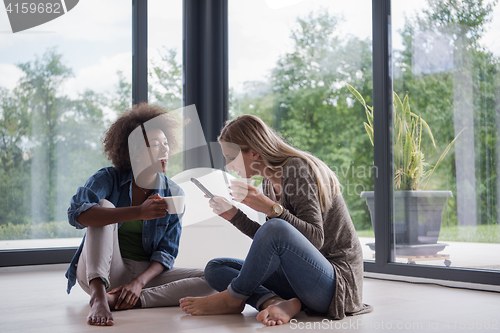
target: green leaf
<point>356,94</point>
<point>406,109</point>
<point>368,109</point>
<point>398,105</point>
<point>369,130</point>
<point>443,156</point>
<point>427,128</point>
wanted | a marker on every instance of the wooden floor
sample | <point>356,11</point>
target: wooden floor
<point>36,301</point>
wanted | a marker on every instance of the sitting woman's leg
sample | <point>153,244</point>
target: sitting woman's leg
<point>101,257</point>
<point>101,268</point>
<point>276,244</point>
<point>220,272</point>
<point>167,288</point>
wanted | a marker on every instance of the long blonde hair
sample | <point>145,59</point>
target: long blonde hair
<point>250,132</point>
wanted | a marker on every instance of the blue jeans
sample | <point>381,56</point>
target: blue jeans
<point>281,262</point>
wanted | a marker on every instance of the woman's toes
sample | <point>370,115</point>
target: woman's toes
<point>262,315</point>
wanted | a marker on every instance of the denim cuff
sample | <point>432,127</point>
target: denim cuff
<point>264,298</point>
<point>163,257</point>
<point>236,295</point>
<point>74,215</point>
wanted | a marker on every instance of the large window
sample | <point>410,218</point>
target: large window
<point>446,62</point>
<point>298,66</point>
<point>292,68</point>
<point>61,84</point>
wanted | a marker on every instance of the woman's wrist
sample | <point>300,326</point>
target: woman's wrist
<point>134,213</point>
<point>269,210</point>
<point>140,281</point>
<point>268,207</point>
<point>231,213</point>
<point>276,210</point>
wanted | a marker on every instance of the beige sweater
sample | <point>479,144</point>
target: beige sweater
<point>332,233</point>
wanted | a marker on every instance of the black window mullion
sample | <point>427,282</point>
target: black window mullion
<point>382,120</point>
<point>205,71</point>
<point>139,51</point>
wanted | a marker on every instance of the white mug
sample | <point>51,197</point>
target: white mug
<point>175,205</point>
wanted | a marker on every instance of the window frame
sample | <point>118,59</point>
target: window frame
<point>208,59</point>
<point>214,112</point>
<point>50,256</point>
<point>383,162</point>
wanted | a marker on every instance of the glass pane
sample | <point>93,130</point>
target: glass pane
<point>292,67</point>
<point>60,87</point>
<point>165,62</point>
<point>446,72</point>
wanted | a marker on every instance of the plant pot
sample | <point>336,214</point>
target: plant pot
<point>417,215</point>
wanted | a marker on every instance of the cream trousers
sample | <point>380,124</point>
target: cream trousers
<point>101,258</point>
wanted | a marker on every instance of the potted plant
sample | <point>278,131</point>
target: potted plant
<point>417,212</point>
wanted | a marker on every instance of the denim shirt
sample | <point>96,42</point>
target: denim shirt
<point>160,237</point>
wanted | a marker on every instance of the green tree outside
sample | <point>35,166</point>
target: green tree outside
<point>307,101</point>
<point>433,94</point>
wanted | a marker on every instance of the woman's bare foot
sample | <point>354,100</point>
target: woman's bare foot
<point>99,314</point>
<point>220,303</point>
<point>279,311</point>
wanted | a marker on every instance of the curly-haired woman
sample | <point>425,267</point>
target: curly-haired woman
<point>126,257</point>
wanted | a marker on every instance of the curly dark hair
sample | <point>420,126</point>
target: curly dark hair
<point>116,138</point>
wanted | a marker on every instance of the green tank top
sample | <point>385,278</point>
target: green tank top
<point>130,241</point>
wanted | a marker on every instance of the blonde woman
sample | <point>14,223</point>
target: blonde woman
<point>305,256</point>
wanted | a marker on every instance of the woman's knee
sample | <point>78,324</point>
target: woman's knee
<point>274,228</point>
<point>212,265</point>
<point>219,272</point>
<point>102,230</point>
<point>217,264</point>
<point>106,203</point>
<point>212,269</point>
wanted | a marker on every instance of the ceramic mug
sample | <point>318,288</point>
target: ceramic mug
<point>175,205</point>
